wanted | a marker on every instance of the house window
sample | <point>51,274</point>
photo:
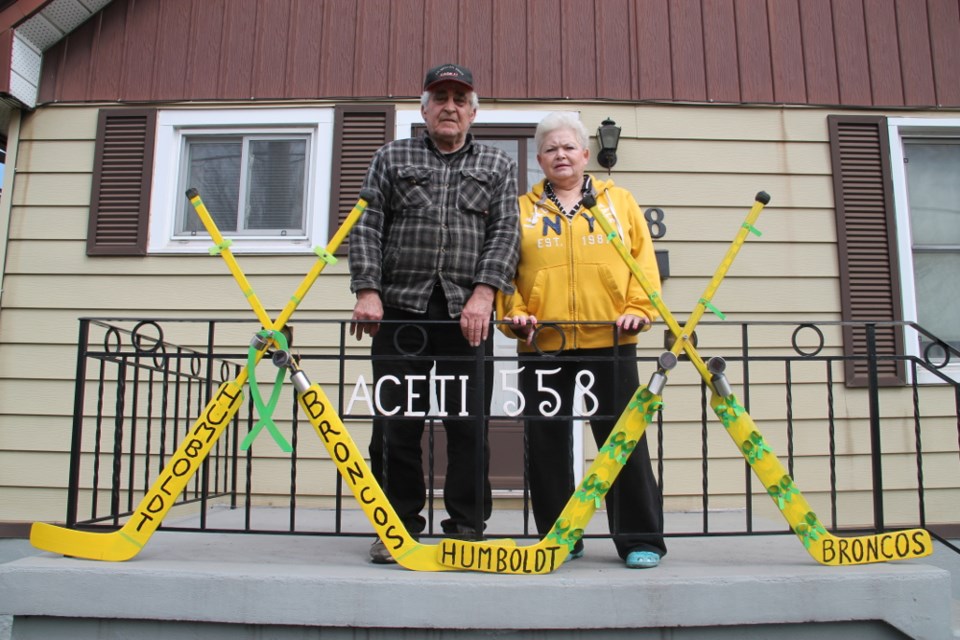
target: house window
<point>518,143</point>
<point>926,169</point>
<point>264,175</point>
<point>252,185</point>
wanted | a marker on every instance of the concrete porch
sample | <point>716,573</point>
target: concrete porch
<point>212,586</point>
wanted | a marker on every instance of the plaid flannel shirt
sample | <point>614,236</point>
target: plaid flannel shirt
<point>452,219</point>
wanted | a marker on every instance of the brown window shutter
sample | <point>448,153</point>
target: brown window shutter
<point>866,238</point>
<point>122,175</point>
<point>359,130</point>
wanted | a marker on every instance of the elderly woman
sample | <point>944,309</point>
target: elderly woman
<point>569,273</point>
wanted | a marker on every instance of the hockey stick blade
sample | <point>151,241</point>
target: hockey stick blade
<point>822,545</point>
<point>127,542</point>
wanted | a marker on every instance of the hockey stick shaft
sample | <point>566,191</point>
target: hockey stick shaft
<point>325,258</point>
<point>222,247</point>
<point>683,334</point>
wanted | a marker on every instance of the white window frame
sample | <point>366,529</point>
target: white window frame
<point>898,129</point>
<point>174,125</point>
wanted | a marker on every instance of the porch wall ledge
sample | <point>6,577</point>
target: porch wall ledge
<point>328,582</point>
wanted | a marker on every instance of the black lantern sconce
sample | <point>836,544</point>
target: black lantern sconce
<point>608,134</point>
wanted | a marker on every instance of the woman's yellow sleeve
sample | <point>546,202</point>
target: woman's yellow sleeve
<point>509,305</point>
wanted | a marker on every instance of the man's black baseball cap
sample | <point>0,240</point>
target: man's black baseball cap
<point>448,73</point>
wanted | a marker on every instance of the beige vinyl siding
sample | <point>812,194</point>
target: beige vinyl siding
<point>701,164</point>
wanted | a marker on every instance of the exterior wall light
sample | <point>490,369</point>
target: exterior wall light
<point>608,134</point>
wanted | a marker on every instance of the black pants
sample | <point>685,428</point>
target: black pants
<point>634,510</point>
<point>403,355</point>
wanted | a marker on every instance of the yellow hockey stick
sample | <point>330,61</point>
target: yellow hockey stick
<point>822,545</point>
<point>625,434</point>
<point>331,430</point>
<point>127,541</point>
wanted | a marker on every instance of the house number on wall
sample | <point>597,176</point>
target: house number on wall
<point>654,217</point>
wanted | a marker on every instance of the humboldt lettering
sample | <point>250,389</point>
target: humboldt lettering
<point>188,457</point>
<point>475,556</point>
<point>879,548</point>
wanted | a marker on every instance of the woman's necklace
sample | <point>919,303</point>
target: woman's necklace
<point>555,199</point>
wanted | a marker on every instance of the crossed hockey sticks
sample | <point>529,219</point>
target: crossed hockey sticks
<point>822,545</point>
<point>626,433</point>
<point>127,541</point>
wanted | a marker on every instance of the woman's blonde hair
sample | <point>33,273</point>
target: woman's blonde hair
<point>561,120</point>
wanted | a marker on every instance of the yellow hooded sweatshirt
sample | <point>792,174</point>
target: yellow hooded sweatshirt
<point>569,272</point>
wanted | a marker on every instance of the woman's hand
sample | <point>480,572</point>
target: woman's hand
<point>523,327</point>
<point>631,324</point>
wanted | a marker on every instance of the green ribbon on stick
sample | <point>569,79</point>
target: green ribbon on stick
<point>564,535</point>
<point>755,447</point>
<point>618,447</point>
<point>783,492</point>
<point>592,490</point>
<point>265,411</point>
<point>811,530</point>
<point>729,411</point>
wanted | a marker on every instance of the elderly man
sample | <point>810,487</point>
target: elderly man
<point>440,238</point>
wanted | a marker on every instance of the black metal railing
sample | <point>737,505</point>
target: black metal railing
<point>873,457</point>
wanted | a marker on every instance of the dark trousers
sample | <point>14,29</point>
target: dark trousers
<point>403,355</point>
<point>634,510</point>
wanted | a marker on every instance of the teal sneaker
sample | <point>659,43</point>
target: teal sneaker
<point>642,560</point>
<point>574,555</point>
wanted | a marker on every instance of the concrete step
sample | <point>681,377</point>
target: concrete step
<point>955,617</point>
<point>212,585</point>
